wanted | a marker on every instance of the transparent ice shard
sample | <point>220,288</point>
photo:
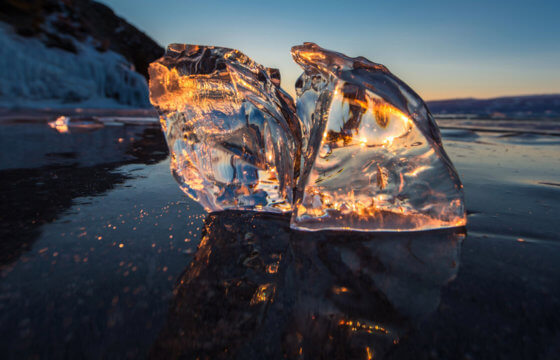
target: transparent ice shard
<point>60,124</point>
<point>232,132</point>
<point>372,154</point>
<point>63,124</point>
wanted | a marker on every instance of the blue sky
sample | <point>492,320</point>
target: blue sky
<point>443,49</point>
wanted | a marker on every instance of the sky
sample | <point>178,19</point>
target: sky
<point>442,49</point>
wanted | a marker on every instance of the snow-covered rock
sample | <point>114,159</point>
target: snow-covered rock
<point>34,75</point>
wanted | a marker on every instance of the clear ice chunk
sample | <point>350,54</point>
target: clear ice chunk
<point>232,132</point>
<point>60,124</point>
<point>372,156</point>
<point>63,124</point>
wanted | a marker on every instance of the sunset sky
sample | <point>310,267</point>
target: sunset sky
<point>443,49</point>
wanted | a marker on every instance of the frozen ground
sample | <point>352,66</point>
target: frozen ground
<point>104,257</point>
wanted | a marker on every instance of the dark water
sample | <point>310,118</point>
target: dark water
<point>102,256</point>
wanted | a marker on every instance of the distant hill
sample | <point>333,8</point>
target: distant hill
<point>71,53</point>
<point>529,106</point>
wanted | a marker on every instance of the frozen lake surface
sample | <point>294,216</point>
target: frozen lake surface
<point>102,256</point>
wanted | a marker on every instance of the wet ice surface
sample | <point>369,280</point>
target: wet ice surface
<point>99,259</point>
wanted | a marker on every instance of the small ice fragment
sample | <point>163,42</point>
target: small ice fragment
<point>63,124</point>
<point>60,124</point>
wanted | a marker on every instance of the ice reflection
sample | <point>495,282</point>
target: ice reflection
<point>257,289</point>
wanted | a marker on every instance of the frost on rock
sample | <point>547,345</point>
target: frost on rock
<point>232,131</point>
<point>372,156</point>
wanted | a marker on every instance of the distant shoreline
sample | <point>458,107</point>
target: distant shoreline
<point>533,107</point>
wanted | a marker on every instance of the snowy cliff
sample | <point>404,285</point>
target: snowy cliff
<point>71,54</point>
<point>33,75</point>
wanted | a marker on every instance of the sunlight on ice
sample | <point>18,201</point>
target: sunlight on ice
<point>60,124</point>
<point>360,151</point>
<point>373,158</point>
<point>231,130</point>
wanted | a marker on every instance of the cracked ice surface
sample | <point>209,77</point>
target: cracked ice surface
<point>232,132</point>
<point>372,156</point>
